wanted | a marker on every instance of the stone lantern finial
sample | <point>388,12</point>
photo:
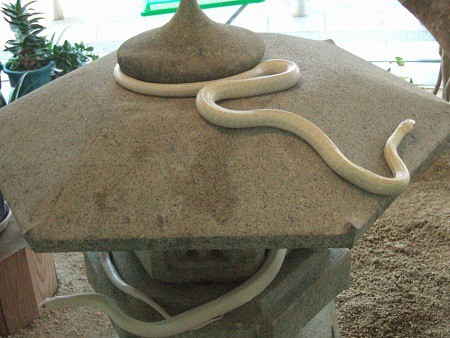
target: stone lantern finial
<point>190,48</point>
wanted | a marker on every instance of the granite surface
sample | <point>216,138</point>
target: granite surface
<point>201,265</point>
<point>190,48</point>
<point>90,166</point>
<point>306,284</point>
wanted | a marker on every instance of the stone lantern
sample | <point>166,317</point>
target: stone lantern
<point>186,210</point>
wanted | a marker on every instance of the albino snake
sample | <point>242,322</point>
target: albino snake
<point>189,320</point>
<point>267,77</point>
<point>270,77</point>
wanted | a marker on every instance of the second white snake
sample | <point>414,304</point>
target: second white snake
<point>189,320</point>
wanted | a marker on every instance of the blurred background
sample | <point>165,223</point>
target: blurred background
<point>375,30</point>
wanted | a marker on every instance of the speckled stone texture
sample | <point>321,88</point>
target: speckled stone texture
<point>190,48</point>
<point>298,303</point>
<point>186,266</point>
<point>91,166</point>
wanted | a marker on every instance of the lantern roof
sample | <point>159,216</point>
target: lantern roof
<point>88,166</point>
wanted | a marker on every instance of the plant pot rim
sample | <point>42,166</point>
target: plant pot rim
<point>6,70</point>
<point>4,223</point>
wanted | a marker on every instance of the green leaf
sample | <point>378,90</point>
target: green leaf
<point>19,90</point>
<point>399,61</point>
<point>2,101</point>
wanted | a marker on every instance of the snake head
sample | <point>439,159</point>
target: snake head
<point>407,125</point>
<point>42,307</point>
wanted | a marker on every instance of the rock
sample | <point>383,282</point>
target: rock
<point>190,48</point>
<point>399,247</point>
<point>376,261</point>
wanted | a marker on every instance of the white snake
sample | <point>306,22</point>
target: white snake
<point>189,320</point>
<point>268,77</point>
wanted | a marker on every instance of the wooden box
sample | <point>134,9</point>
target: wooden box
<point>26,278</point>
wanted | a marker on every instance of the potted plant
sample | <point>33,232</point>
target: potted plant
<point>68,57</point>
<point>31,51</point>
<point>36,56</point>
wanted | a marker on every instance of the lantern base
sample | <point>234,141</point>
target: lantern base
<point>188,266</point>
<point>298,303</point>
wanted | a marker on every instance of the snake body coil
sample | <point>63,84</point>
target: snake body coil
<point>189,320</point>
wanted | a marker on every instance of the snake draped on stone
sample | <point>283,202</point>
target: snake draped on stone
<point>269,77</point>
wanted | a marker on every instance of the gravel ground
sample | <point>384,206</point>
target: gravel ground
<point>400,268</point>
<point>400,273</point>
